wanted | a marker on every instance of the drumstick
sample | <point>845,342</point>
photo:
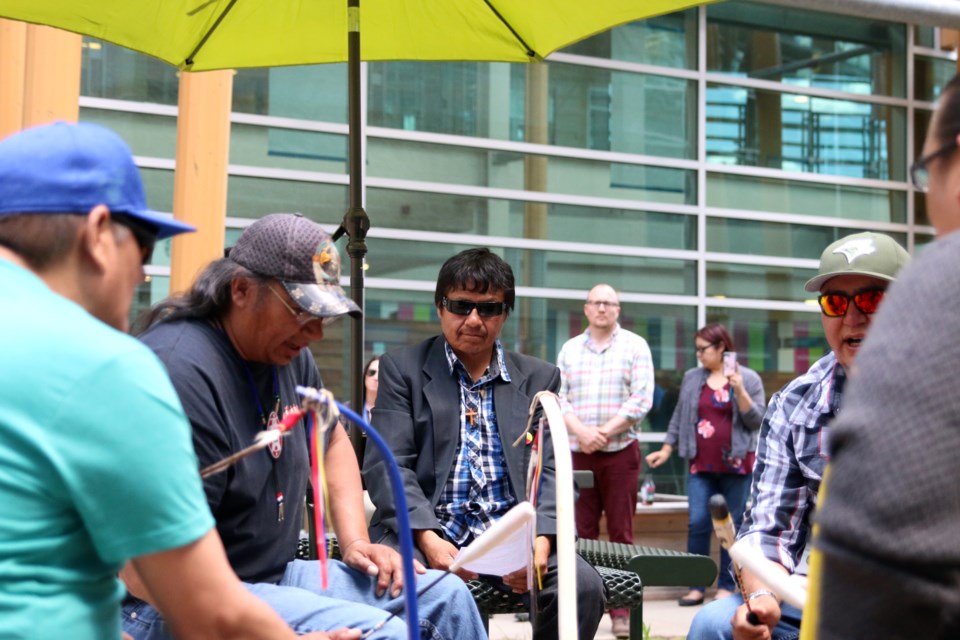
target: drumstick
<point>727,534</point>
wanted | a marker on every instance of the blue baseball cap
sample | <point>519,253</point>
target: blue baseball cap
<point>72,168</point>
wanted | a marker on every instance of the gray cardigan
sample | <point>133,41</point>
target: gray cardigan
<point>683,424</point>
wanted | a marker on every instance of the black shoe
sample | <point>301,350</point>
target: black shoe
<point>690,602</point>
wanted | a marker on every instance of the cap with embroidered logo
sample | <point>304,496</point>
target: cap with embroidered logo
<point>302,256</point>
<point>865,254</point>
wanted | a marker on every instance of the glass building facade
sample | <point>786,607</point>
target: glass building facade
<point>698,162</point>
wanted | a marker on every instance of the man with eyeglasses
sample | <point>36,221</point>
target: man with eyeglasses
<point>854,274</point>
<point>606,390</point>
<point>96,464</point>
<point>450,408</point>
<point>236,345</point>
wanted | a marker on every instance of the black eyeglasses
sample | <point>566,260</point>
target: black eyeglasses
<point>836,304</point>
<point>466,307</point>
<point>700,350</point>
<point>920,173</point>
<point>144,234</point>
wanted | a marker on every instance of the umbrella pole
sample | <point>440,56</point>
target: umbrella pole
<point>355,221</point>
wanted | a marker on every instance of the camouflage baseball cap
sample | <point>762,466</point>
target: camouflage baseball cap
<point>301,255</point>
<point>866,254</point>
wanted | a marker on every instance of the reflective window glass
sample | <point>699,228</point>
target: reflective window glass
<point>585,107</point>
<point>147,135</point>
<point>822,50</point>
<point>281,148</point>
<point>668,41</point>
<point>617,111</point>
<point>921,241</point>
<point>311,92</point>
<point>249,197</point>
<point>757,282</point>
<point>158,187</point>
<point>454,213</point>
<point>796,132</point>
<point>509,170</point>
<point>920,208</point>
<point>148,293</point>
<point>921,120</point>
<point>439,97</point>
<point>930,75</point>
<point>111,71</point>
<point>750,237</point>
<point>807,198</point>
<point>924,36</point>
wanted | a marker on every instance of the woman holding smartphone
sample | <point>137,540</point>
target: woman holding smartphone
<point>714,425</point>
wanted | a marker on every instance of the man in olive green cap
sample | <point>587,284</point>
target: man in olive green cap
<point>852,279</point>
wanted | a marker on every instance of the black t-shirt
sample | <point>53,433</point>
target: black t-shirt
<point>216,388</point>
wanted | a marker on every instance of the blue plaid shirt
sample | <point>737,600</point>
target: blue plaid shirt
<point>790,461</point>
<point>477,492</point>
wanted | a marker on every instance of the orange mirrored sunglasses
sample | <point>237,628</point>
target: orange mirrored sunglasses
<point>836,305</point>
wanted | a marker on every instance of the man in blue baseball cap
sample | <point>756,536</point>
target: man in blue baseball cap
<point>96,463</point>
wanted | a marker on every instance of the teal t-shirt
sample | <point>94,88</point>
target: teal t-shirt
<point>96,464</point>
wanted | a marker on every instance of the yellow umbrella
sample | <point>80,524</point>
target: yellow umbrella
<point>226,34</point>
<point>203,35</point>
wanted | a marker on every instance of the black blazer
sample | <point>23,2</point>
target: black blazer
<point>418,414</point>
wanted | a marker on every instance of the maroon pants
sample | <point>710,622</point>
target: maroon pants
<point>614,491</point>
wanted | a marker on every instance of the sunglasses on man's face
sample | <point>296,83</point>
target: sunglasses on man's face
<point>143,234</point>
<point>466,307</point>
<point>836,304</point>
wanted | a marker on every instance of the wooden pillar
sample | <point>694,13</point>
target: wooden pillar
<point>535,168</point>
<point>950,40</point>
<point>39,76</point>
<point>52,76</point>
<point>200,180</point>
<point>765,52</point>
<point>13,54</point>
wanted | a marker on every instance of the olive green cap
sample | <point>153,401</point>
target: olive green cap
<point>864,254</point>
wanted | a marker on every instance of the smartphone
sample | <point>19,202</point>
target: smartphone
<point>729,363</point>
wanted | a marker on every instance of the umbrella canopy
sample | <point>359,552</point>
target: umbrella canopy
<point>229,34</point>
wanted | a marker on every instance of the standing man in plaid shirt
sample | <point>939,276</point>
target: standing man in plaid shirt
<point>606,389</point>
<point>795,438</point>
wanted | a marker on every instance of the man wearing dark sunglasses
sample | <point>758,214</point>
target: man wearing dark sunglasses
<point>450,408</point>
<point>793,450</point>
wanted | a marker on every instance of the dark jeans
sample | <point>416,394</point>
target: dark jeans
<point>591,594</point>
<point>700,486</point>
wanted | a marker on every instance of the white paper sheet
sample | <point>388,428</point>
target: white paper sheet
<point>503,548</point>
